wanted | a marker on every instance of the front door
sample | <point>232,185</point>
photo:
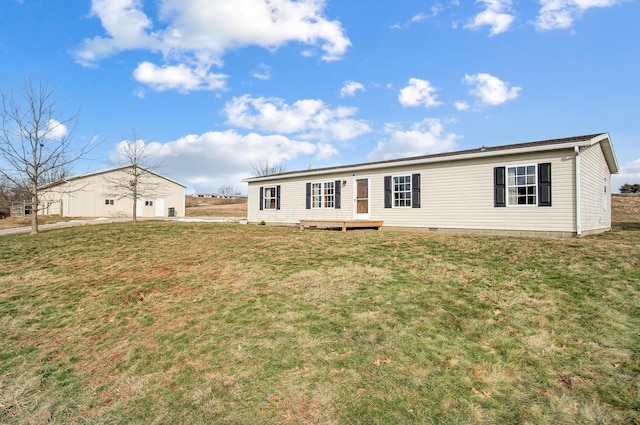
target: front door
<point>361,198</point>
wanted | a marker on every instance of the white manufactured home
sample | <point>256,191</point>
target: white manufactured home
<point>559,187</point>
<point>98,195</point>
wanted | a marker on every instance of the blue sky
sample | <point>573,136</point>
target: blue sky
<point>213,86</point>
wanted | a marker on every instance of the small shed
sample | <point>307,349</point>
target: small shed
<point>96,195</point>
<point>559,187</point>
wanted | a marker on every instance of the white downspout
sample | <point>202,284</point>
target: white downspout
<point>578,200</point>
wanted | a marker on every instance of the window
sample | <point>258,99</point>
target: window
<point>324,194</point>
<point>108,201</point>
<point>316,195</point>
<point>148,203</point>
<point>522,187</point>
<point>402,191</point>
<point>269,200</point>
<point>270,197</point>
<point>329,194</point>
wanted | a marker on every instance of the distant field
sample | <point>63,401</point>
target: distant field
<point>172,323</point>
<point>216,207</point>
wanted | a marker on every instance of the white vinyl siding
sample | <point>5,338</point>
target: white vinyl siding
<point>293,205</point>
<point>594,170</point>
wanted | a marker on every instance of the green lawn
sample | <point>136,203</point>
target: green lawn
<point>211,323</point>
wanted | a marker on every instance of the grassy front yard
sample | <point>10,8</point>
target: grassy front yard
<point>213,323</point>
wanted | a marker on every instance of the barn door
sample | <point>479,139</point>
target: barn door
<point>361,198</point>
<point>159,207</point>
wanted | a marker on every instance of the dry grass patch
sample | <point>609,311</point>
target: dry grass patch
<point>189,323</point>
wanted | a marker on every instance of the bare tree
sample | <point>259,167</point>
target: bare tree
<point>35,142</point>
<point>265,168</point>
<point>136,179</point>
<point>228,190</point>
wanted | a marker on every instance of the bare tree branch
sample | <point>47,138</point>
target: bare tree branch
<point>266,168</point>
<point>35,143</point>
<point>136,179</point>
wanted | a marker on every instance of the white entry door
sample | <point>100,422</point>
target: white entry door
<point>159,207</point>
<point>361,198</point>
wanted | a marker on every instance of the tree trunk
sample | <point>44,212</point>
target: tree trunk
<point>135,208</point>
<point>34,215</point>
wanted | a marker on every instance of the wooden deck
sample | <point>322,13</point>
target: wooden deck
<point>340,224</point>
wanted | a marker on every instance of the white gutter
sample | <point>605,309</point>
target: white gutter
<point>578,200</point>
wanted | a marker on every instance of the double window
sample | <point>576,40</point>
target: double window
<point>522,185</point>
<point>148,203</point>
<point>108,201</point>
<point>402,191</point>
<point>323,195</point>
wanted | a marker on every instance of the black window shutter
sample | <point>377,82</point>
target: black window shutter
<point>500,187</point>
<point>338,188</point>
<point>278,197</point>
<point>308,196</point>
<point>387,192</point>
<point>415,191</point>
<point>261,198</point>
<point>544,184</point>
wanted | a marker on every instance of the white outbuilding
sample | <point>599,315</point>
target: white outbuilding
<point>97,195</point>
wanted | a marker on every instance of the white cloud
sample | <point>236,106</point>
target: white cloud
<point>204,162</point>
<point>461,105</point>
<point>423,138</point>
<point>560,14</point>
<point>307,118</point>
<point>491,90</point>
<point>418,92</point>
<point>179,77</point>
<point>262,72</point>
<point>198,33</point>
<point>497,15</point>
<point>350,88</point>
<point>419,17</point>
<point>126,26</point>
<point>55,130</point>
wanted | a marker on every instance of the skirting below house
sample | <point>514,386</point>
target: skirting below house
<point>353,224</point>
